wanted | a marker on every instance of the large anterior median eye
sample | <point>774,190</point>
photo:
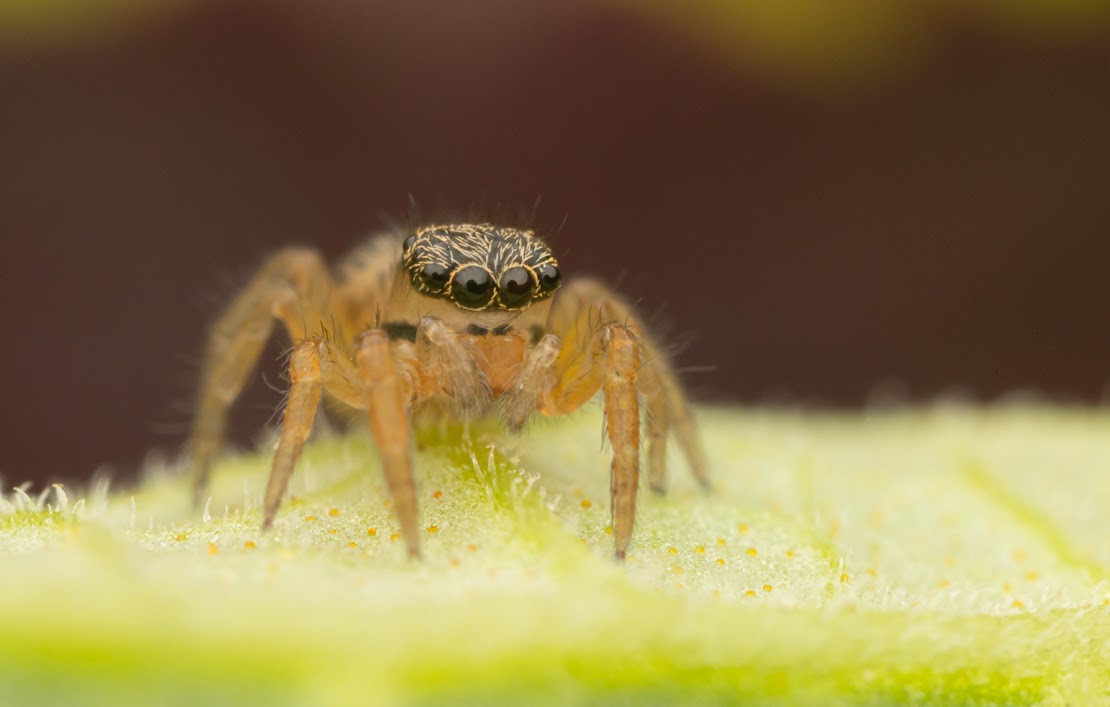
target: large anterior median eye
<point>434,277</point>
<point>516,287</point>
<point>472,287</point>
<point>549,277</point>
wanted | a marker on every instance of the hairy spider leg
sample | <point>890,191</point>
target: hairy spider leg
<point>294,287</point>
<point>390,425</point>
<point>316,365</point>
<point>388,380</point>
<point>579,310</point>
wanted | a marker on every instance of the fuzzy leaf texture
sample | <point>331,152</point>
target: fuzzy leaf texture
<point>946,555</point>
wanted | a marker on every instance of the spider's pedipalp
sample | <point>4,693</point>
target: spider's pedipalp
<point>446,358</point>
<point>526,390</point>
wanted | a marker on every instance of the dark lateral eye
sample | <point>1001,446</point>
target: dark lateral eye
<point>549,277</point>
<point>472,287</point>
<point>516,286</point>
<point>407,245</point>
<point>434,277</point>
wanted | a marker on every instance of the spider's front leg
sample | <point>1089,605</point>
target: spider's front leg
<point>603,346</point>
<point>386,379</point>
<point>611,362</point>
<point>374,384</point>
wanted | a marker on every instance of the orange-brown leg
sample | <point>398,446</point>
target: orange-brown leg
<point>300,410</point>
<point>389,422</point>
<point>315,366</point>
<point>610,361</point>
<point>575,316</point>
<point>603,346</point>
<point>293,286</point>
<point>622,413</point>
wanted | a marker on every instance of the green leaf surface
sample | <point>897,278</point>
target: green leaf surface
<point>941,556</point>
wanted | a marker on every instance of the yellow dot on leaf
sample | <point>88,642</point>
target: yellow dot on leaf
<point>212,549</point>
<point>1017,604</point>
<point>333,512</point>
<point>944,583</point>
<point>472,547</point>
<point>720,541</point>
<point>437,494</point>
<point>310,518</point>
<point>843,578</point>
<point>752,552</point>
<point>181,537</point>
<point>371,531</point>
<point>455,562</point>
<point>678,569</point>
<point>750,593</point>
<point>586,503</point>
<point>1032,576</point>
<point>394,536</point>
<point>700,549</point>
<point>720,562</point>
<point>673,550</point>
<point>433,528</point>
<point>767,587</point>
<point>352,544</point>
<point>743,527</point>
<point>873,572</point>
<point>249,545</point>
<point>608,530</point>
<point>789,553</point>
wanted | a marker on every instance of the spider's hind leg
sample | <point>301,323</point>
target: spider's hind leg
<point>292,286</point>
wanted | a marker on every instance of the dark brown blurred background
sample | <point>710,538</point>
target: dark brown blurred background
<point>917,200</point>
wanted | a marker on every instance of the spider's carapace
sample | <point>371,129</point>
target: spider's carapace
<point>452,320</point>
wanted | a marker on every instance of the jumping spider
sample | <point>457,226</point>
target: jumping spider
<point>451,320</point>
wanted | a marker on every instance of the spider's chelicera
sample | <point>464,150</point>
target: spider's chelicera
<point>450,320</point>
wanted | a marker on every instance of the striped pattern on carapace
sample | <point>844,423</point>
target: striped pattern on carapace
<point>495,249</point>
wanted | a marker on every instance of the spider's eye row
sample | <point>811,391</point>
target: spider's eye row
<point>516,287</point>
<point>549,277</point>
<point>472,287</point>
<point>435,277</point>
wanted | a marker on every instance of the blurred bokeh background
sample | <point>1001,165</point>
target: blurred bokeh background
<point>823,202</point>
